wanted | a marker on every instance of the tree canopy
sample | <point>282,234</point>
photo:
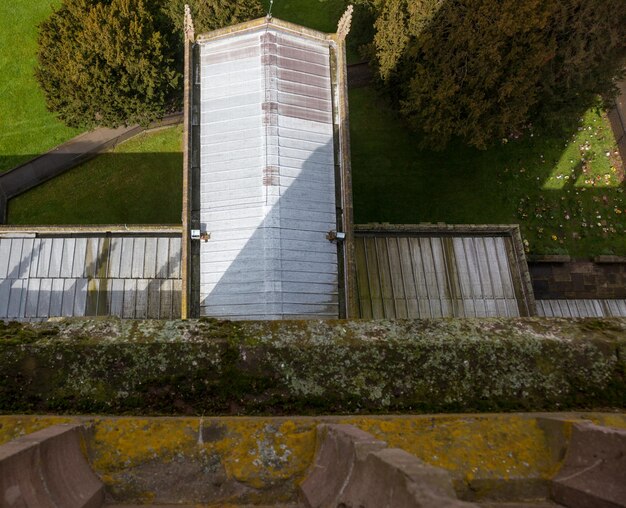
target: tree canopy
<point>483,69</point>
<point>115,62</point>
<point>211,14</point>
<point>105,64</point>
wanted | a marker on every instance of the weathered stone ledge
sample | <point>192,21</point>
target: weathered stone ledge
<point>264,460</point>
<point>311,367</point>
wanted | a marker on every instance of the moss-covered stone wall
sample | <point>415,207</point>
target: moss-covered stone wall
<point>209,367</point>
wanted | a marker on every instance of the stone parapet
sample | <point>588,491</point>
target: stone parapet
<point>214,367</point>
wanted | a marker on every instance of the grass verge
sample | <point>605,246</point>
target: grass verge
<point>138,182</point>
<point>318,14</point>
<point>27,127</point>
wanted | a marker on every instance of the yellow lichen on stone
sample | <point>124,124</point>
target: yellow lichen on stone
<point>265,452</point>
<point>470,447</point>
<point>617,420</point>
<point>258,451</point>
<point>12,427</point>
<point>124,442</point>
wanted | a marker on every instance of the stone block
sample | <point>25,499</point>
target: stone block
<point>338,449</point>
<point>594,471</point>
<point>47,469</point>
<point>21,484</point>
<point>354,470</point>
<point>562,275</point>
<point>393,477</point>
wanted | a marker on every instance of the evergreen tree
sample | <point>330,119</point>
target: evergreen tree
<point>483,69</point>
<point>115,62</point>
<point>211,14</point>
<point>105,64</point>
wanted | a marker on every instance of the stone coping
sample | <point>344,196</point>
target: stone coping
<point>260,23</point>
<point>549,258</point>
<point>23,230</point>
<point>428,228</point>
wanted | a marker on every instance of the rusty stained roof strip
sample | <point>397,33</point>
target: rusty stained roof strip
<point>407,276</point>
<point>129,276</point>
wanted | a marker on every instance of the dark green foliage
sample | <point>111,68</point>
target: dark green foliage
<point>211,14</point>
<point>106,63</point>
<point>116,62</point>
<point>359,41</point>
<point>484,69</point>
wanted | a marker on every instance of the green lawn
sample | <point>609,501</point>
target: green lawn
<point>139,182</point>
<point>566,190</point>
<point>318,14</point>
<point>27,129</point>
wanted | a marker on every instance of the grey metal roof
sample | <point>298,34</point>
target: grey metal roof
<point>416,276</point>
<point>126,275</point>
<point>267,177</point>
<point>581,308</point>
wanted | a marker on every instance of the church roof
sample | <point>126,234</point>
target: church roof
<point>103,271</point>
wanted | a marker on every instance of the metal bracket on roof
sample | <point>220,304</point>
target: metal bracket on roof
<point>196,234</point>
<point>335,236</point>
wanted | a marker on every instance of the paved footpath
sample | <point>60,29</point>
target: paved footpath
<point>58,160</point>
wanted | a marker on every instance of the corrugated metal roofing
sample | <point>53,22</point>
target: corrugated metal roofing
<point>130,276</point>
<point>581,308</point>
<point>267,177</point>
<point>408,276</point>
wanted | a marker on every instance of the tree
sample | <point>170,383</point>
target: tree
<point>106,63</point>
<point>115,62</point>
<point>212,14</point>
<point>483,69</point>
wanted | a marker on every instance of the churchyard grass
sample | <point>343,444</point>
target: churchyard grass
<point>318,14</point>
<point>138,182</point>
<point>27,129</point>
<point>566,190</point>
